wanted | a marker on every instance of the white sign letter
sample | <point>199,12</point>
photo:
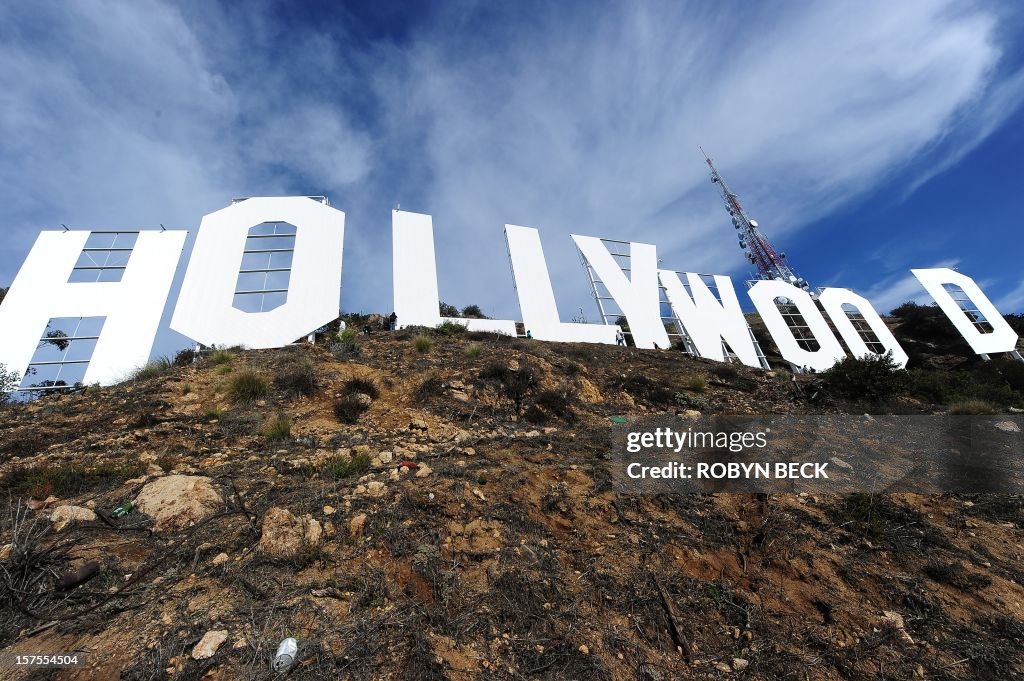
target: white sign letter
<point>205,310</point>
<point>132,306</point>
<point>708,322</point>
<point>415,277</point>
<point>637,296</point>
<point>537,300</point>
<point>764,293</point>
<point>1002,338</point>
<point>833,299</point>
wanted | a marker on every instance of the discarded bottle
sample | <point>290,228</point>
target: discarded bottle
<point>285,657</point>
<point>123,510</point>
<point>79,576</point>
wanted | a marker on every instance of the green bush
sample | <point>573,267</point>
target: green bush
<point>697,384</point>
<point>277,428</point>
<point>248,386</point>
<point>872,377</point>
<point>447,310</point>
<point>341,466</point>
<point>450,329</point>
<point>984,382</point>
<point>158,367</point>
<point>473,350</point>
<point>9,382</point>
<point>422,344</point>
<point>220,356</point>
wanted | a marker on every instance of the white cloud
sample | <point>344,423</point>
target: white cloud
<point>1012,301</point>
<point>130,114</point>
<point>894,291</point>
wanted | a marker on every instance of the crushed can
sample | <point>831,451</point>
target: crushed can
<point>287,651</point>
<point>123,510</point>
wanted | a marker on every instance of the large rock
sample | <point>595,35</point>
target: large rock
<point>285,535</point>
<point>63,516</point>
<point>179,501</point>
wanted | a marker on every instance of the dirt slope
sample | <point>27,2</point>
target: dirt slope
<point>504,554</point>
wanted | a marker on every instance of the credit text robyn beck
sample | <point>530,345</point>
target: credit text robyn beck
<point>733,470</point>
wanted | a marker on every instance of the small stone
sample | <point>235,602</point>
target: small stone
<point>479,495</point>
<point>208,645</point>
<point>240,643</point>
<point>386,457</point>
<point>723,667</point>
<point>5,552</point>
<point>584,649</point>
<point>220,559</point>
<point>329,510</point>
<point>739,664</point>
<point>423,471</point>
<point>357,525</point>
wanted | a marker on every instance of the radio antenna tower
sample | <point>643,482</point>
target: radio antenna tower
<point>771,264</point>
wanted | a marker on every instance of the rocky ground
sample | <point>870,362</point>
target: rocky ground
<point>442,508</point>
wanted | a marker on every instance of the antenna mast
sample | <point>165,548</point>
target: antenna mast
<point>771,264</point>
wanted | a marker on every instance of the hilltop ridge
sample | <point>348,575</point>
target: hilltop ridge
<point>416,505</point>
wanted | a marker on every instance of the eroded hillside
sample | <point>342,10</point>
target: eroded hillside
<point>442,508</point>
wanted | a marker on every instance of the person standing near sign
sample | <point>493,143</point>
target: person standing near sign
<point>392,322</point>
<point>620,338</point>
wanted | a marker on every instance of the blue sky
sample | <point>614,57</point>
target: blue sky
<point>866,138</point>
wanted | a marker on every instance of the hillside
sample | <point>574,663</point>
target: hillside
<point>272,500</point>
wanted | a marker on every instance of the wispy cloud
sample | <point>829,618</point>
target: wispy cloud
<point>567,119</point>
<point>894,291</point>
<point>1012,301</point>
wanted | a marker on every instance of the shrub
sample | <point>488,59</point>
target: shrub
<point>68,479</point>
<point>940,386</point>
<point>296,377</point>
<point>248,386</point>
<point>422,344</point>
<point>361,385</point>
<point>9,382</point>
<point>277,428</point>
<point>473,350</point>
<point>349,408</point>
<point>515,384</point>
<point>447,310</point>
<point>696,384</point>
<point>647,390</point>
<point>184,357</point>
<point>872,377</point>
<point>430,387</point>
<point>450,329</point>
<point>557,403</point>
<point>341,466</point>
<point>220,357</point>
<point>187,389</point>
<point>972,408</point>
<point>213,413</point>
<point>158,367</point>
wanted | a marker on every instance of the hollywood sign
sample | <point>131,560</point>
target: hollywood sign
<point>206,309</point>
